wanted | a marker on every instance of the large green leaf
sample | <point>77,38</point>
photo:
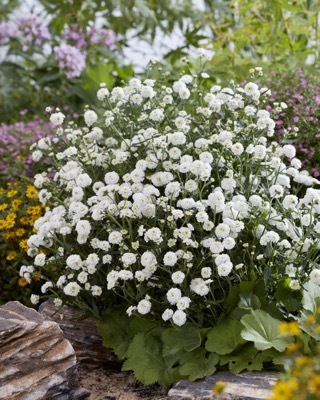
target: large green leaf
<point>311,292</point>
<point>195,364</point>
<point>263,330</point>
<point>114,329</point>
<point>187,338</point>
<point>144,358</point>
<point>225,338</point>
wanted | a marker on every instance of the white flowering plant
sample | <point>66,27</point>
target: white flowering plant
<point>174,218</point>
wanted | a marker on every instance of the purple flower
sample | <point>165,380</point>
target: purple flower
<point>104,37</point>
<point>15,142</point>
<point>8,30</point>
<point>70,60</point>
<point>32,29</point>
<point>76,37</point>
<point>301,93</point>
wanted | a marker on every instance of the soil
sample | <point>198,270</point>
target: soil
<point>106,384</point>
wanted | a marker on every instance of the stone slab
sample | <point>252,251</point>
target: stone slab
<point>245,386</point>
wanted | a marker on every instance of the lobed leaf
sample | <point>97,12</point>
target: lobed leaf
<point>263,330</point>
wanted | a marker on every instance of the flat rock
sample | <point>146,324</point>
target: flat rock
<point>36,361</point>
<point>82,334</point>
<point>245,386</point>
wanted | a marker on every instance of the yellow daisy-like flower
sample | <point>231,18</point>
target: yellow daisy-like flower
<point>3,224</point>
<point>31,192</point>
<point>23,244</point>
<point>8,235</point>
<point>34,210</point>
<point>20,232</point>
<point>11,217</point>
<point>22,282</point>
<point>289,328</point>
<point>12,193</point>
<point>16,204</point>
<point>3,206</point>
<point>10,224</point>
<point>24,220</point>
<point>11,255</point>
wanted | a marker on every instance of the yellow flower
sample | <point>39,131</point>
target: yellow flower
<point>314,384</point>
<point>303,362</point>
<point>12,193</point>
<point>34,210</point>
<point>8,235</point>
<point>3,206</point>
<point>11,217</point>
<point>219,387</point>
<point>282,391</point>
<point>24,220</point>
<point>3,224</point>
<point>23,244</point>
<point>292,347</point>
<point>31,192</point>
<point>11,255</point>
<point>22,282</point>
<point>20,232</point>
<point>289,328</point>
<point>15,204</point>
<point>10,224</point>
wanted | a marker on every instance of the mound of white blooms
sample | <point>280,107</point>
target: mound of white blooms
<point>170,195</point>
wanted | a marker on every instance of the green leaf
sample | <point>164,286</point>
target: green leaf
<point>249,301</point>
<point>101,72</point>
<point>114,329</point>
<point>310,293</point>
<point>248,358</point>
<point>175,340</point>
<point>225,338</point>
<point>195,364</point>
<point>144,358</point>
<point>263,330</point>
<point>287,296</point>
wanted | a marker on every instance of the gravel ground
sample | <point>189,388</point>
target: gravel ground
<point>116,385</point>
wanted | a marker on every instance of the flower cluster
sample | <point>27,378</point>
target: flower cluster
<point>70,60</point>
<point>20,208</point>
<point>29,28</point>
<point>82,40</point>
<point>301,95</point>
<point>16,139</point>
<point>170,195</point>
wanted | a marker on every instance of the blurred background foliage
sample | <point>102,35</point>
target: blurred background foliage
<point>275,34</point>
